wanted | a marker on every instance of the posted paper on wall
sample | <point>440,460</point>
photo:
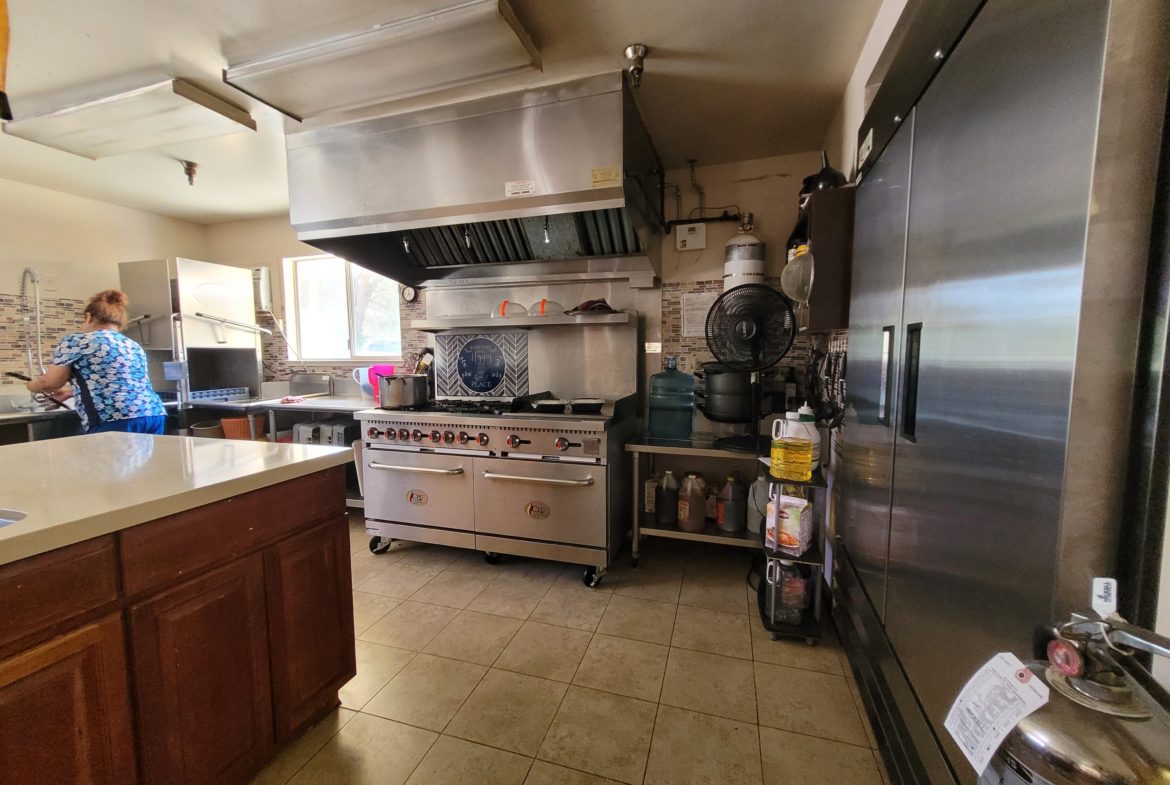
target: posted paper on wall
<point>694,313</point>
<point>993,701</point>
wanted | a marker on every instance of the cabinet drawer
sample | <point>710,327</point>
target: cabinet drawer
<point>161,552</point>
<point>557,502</point>
<point>42,591</point>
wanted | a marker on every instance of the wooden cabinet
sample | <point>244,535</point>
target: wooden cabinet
<point>201,671</point>
<point>65,710</point>
<point>310,621</point>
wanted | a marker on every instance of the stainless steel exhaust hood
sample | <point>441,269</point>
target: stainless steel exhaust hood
<point>562,172</point>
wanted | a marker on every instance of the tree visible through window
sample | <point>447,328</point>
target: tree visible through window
<point>341,311</point>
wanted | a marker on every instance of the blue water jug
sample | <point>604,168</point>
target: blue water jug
<point>672,401</point>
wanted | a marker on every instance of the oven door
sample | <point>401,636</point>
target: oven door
<point>422,488</point>
<point>554,502</point>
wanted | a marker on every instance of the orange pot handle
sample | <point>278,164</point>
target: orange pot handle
<point>5,109</point>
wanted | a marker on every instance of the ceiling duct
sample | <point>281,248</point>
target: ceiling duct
<point>565,171</point>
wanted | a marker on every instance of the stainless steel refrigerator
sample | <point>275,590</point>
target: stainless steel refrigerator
<point>1000,249</point>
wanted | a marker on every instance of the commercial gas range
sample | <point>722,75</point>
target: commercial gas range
<point>476,474</point>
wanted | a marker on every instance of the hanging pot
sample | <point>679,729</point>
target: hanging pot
<point>728,394</point>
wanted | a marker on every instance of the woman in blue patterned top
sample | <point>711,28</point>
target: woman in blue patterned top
<point>107,370</point>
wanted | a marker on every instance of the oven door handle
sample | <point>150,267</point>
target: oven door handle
<point>415,469</point>
<point>539,480</point>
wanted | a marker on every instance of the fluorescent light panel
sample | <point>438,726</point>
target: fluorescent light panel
<point>460,45</point>
<point>153,116</point>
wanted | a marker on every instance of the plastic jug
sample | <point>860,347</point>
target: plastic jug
<point>666,499</point>
<point>374,372</point>
<point>672,401</point>
<point>792,450</point>
<point>692,500</point>
<point>731,510</point>
<point>808,421</point>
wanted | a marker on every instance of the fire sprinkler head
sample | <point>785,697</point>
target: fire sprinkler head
<point>189,169</point>
<point>635,62</point>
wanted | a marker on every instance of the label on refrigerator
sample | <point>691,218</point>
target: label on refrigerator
<point>993,701</point>
<point>1105,597</point>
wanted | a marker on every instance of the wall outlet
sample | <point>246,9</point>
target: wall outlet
<point>690,237</point>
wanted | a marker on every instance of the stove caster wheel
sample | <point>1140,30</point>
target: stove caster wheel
<point>492,558</point>
<point>775,636</point>
<point>379,545</point>
<point>810,641</point>
<point>592,577</point>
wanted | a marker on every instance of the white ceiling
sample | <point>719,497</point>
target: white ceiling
<point>726,80</point>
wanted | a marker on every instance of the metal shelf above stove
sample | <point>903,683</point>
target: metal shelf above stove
<point>523,322</point>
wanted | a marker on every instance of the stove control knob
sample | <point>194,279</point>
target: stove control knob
<point>448,437</point>
<point>515,441</point>
<point>417,435</point>
<point>403,434</point>
<point>464,437</point>
<point>436,436</point>
<point>482,439</point>
<point>390,433</point>
<point>373,433</point>
<point>561,444</point>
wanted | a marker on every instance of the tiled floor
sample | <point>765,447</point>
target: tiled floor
<point>517,673</point>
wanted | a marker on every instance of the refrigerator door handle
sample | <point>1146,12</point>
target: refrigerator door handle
<point>910,382</point>
<point>886,384</point>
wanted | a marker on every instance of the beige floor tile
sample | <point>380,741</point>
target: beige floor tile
<point>624,666</point>
<point>567,607</point>
<point>545,650</point>
<point>535,570</point>
<point>503,597</point>
<point>816,704</point>
<point>368,608</point>
<point>427,692</point>
<point>474,637</point>
<point>603,734</point>
<point>290,760</point>
<point>453,588</point>
<point>715,632</point>
<point>508,710</point>
<point>400,579</point>
<point>376,665</point>
<point>364,565</point>
<point>641,620</point>
<point>659,582</point>
<point>792,757</point>
<point>367,751</point>
<point>793,653</point>
<point>881,767</point>
<point>710,683</point>
<point>454,761</point>
<point>697,749</point>
<point>432,556</point>
<point>717,591</point>
<point>411,625</point>
<point>545,773</point>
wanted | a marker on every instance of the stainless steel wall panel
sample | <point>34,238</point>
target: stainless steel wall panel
<point>1002,170</point>
<point>875,345</point>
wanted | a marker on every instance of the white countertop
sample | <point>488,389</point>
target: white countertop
<point>82,487</point>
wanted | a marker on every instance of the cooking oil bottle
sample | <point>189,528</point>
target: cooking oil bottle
<point>792,451</point>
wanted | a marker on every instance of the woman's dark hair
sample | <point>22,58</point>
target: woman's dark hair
<point>109,307</point>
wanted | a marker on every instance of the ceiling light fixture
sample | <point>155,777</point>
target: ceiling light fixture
<point>153,116</point>
<point>459,45</point>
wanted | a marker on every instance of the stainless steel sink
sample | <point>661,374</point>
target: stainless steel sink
<point>9,517</point>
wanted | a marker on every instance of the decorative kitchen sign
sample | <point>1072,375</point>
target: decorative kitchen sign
<point>993,701</point>
<point>482,365</point>
<point>694,313</point>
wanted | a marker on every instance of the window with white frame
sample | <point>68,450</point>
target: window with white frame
<point>339,312</point>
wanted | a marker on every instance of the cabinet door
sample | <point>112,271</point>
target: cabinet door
<point>201,673</point>
<point>310,622</point>
<point>65,710</point>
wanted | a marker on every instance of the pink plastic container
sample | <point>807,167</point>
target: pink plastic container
<point>376,371</point>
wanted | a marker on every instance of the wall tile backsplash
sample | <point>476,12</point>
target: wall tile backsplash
<point>59,317</point>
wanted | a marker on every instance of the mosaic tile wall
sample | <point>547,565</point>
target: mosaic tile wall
<point>59,317</point>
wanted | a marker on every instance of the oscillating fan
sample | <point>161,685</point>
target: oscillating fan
<point>749,328</point>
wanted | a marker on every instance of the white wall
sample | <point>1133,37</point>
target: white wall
<point>768,187</point>
<point>76,243</point>
<point>841,141</point>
